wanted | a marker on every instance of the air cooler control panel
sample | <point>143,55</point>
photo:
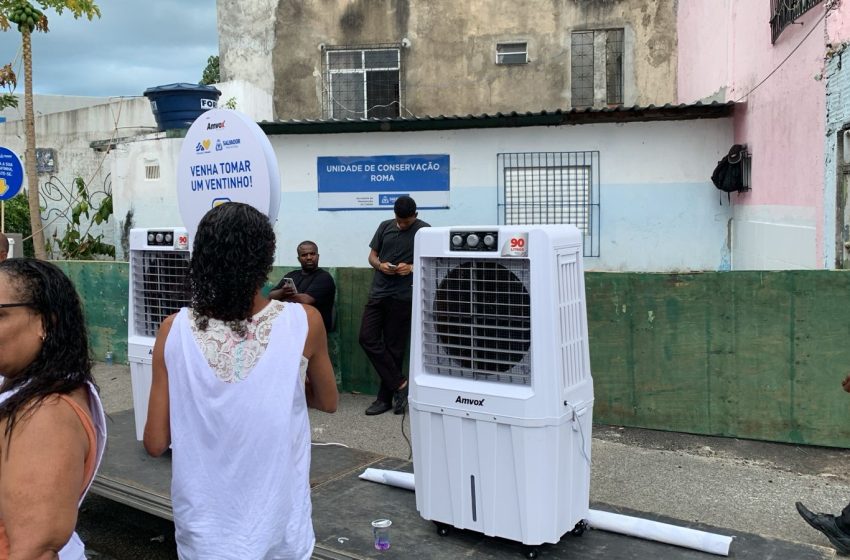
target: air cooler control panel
<point>474,241</point>
<point>167,238</point>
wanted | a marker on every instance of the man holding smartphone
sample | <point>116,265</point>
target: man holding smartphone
<point>385,326</point>
<point>311,285</point>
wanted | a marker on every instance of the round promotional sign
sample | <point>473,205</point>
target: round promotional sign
<point>226,157</point>
<point>11,174</point>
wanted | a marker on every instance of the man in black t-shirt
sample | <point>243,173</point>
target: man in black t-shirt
<point>311,285</point>
<point>385,326</point>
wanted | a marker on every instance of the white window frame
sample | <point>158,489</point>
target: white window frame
<point>507,50</point>
<point>332,105</point>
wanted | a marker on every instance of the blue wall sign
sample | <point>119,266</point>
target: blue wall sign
<point>375,182</point>
<point>11,174</point>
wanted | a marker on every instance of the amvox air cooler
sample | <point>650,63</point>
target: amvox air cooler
<point>501,396</point>
<point>159,263</point>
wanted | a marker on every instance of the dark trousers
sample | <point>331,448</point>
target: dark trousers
<point>384,333</point>
<point>843,520</point>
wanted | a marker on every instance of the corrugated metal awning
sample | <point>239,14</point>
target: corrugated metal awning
<point>558,117</point>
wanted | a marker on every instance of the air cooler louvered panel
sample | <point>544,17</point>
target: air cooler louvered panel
<point>477,319</point>
<point>571,312</point>
<point>159,287</point>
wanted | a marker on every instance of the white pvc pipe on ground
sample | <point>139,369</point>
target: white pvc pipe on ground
<point>661,532</point>
<point>603,520</point>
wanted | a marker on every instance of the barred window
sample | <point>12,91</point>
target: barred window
<point>362,82</point>
<point>784,12</point>
<point>592,51</point>
<point>552,188</point>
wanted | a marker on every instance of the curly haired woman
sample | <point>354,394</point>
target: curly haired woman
<point>51,418</point>
<point>232,379</point>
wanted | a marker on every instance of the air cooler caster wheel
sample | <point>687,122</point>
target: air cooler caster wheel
<point>442,528</point>
<point>579,529</point>
<point>530,552</point>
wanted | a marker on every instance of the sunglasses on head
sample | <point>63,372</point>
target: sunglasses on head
<point>22,304</point>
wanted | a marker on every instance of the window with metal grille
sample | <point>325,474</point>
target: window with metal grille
<point>511,53</point>
<point>477,318</point>
<point>552,188</point>
<point>160,287</point>
<point>362,82</point>
<point>592,51</point>
<point>784,12</point>
<point>151,170</point>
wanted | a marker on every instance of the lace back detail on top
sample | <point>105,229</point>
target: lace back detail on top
<point>230,355</point>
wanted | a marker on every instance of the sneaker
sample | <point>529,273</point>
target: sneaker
<point>378,407</point>
<point>400,400</point>
<point>825,523</point>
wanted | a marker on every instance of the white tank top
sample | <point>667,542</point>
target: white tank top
<point>240,483</point>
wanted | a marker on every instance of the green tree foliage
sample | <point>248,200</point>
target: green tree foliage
<point>28,18</point>
<point>78,243</point>
<point>211,72</point>
<point>18,220</point>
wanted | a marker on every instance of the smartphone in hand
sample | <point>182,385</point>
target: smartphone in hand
<point>392,266</point>
<point>290,283</point>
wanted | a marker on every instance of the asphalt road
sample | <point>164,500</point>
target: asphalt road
<point>113,531</point>
<point>744,485</point>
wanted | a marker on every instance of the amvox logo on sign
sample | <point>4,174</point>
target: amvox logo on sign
<point>463,400</point>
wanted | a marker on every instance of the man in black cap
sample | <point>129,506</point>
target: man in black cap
<point>385,326</point>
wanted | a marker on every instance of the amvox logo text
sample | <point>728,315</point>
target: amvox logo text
<point>474,402</point>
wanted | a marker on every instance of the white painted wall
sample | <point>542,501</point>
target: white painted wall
<point>47,104</point>
<point>249,99</point>
<point>659,210</point>
<point>71,134</point>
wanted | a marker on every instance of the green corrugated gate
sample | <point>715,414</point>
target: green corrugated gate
<point>747,354</point>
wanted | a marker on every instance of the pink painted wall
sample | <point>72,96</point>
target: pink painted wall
<point>725,43</point>
<point>838,24</point>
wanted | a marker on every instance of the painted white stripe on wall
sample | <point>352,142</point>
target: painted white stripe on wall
<point>774,238</point>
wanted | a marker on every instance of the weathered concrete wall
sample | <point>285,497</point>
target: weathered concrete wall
<point>756,355</point>
<point>71,134</point>
<point>450,66</point>
<point>246,38</point>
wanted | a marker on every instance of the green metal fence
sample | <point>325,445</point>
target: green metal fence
<point>756,355</point>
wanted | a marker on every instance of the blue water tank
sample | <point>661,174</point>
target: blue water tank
<point>178,105</point>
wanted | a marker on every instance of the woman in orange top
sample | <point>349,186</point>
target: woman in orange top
<point>51,420</point>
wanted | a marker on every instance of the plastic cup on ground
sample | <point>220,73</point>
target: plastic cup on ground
<point>381,531</point>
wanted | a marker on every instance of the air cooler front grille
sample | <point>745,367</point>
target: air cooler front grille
<point>477,318</point>
<point>159,287</point>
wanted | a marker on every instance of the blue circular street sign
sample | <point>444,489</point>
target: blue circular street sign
<point>11,174</point>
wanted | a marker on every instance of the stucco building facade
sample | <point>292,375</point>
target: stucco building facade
<point>322,59</point>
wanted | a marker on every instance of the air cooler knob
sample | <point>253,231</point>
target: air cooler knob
<point>150,238</point>
<point>457,240</point>
<point>168,238</point>
<point>472,240</point>
<point>489,240</point>
<point>159,238</point>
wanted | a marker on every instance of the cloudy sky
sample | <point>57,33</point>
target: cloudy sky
<point>135,44</point>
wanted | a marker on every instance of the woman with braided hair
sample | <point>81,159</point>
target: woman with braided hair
<point>232,379</point>
<point>52,425</point>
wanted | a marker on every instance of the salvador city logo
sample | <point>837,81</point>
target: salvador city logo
<point>203,147</point>
<point>474,402</point>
